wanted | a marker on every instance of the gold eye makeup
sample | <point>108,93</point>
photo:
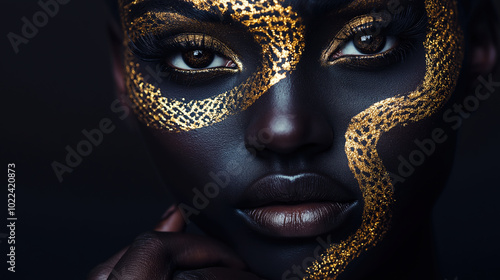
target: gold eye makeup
<point>199,60</point>
<point>368,45</point>
<point>276,28</point>
<point>201,52</point>
<point>188,53</point>
<point>153,23</point>
<point>375,41</point>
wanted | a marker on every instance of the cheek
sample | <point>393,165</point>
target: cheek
<point>418,157</point>
<point>195,159</point>
<point>341,93</point>
<point>363,88</point>
<point>177,162</point>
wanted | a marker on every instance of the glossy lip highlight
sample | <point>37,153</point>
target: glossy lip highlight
<point>302,205</point>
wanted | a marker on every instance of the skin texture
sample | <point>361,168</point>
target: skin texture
<point>296,126</point>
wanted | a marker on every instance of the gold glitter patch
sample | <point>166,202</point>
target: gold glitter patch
<point>153,23</point>
<point>444,55</point>
<point>275,27</point>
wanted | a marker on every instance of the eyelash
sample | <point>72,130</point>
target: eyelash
<point>407,28</point>
<point>158,49</point>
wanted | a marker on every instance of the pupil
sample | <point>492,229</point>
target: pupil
<point>369,44</point>
<point>198,58</point>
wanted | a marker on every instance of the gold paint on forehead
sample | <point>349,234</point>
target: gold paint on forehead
<point>278,30</point>
<point>444,55</point>
<point>135,2</point>
<point>128,6</point>
<point>153,23</point>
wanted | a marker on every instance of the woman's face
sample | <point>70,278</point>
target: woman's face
<point>291,129</point>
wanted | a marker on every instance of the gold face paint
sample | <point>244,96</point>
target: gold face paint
<point>280,32</point>
<point>275,27</point>
<point>444,55</point>
<point>154,23</point>
<point>346,32</point>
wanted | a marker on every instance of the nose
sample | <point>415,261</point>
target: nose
<point>286,124</point>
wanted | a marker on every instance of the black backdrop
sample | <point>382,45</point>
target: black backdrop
<point>60,83</point>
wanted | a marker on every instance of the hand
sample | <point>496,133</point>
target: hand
<point>168,253</point>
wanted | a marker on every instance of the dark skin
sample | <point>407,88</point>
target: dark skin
<point>297,126</point>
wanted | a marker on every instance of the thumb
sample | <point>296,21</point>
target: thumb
<point>171,221</point>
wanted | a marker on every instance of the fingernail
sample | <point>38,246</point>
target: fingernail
<point>169,212</point>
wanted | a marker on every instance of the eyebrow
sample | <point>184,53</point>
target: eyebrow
<point>137,8</point>
<point>306,8</point>
<point>313,7</point>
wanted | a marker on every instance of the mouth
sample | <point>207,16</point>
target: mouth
<point>302,205</point>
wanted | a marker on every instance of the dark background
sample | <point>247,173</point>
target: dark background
<point>60,83</point>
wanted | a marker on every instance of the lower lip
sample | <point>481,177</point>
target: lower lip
<point>300,220</point>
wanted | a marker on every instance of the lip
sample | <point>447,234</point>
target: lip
<point>302,205</point>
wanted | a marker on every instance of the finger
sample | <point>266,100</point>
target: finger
<point>216,273</point>
<point>172,221</point>
<point>102,271</point>
<point>156,254</point>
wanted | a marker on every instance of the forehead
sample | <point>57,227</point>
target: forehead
<point>304,7</point>
<point>250,2</point>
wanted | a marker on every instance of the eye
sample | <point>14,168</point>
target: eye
<point>189,59</point>
<point>368,44</point>
<point>375,42</point>
<point>199,59</point>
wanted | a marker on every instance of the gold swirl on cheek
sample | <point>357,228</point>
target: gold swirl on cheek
<point>275,27</point>
<point>444,55</point>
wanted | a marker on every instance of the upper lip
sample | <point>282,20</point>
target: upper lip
<point>293,189</point>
